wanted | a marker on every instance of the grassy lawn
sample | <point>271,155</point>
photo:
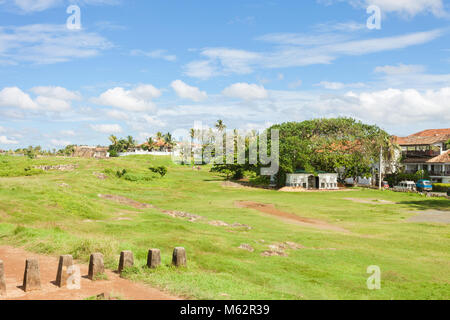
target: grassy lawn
<point>41,214</point>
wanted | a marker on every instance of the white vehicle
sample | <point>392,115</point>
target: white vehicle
<point>406,186</point>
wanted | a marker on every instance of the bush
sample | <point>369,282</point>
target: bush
<point>113,153</point>
<point>121,173</point>
<point>161,170</point>
<point>441,187</point>
<point>137,177</point>
<point>396,178</point>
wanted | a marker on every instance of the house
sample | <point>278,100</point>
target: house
<point>321,180</point>
<point>427,150</point>
<point>91,152</point>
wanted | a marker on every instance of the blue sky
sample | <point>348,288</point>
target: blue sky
<point>137,67</point>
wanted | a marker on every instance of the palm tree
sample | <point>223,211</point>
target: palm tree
<point>220,126</point>
<point>168,140</point>
<point>159,135</point>
<point>131,143</point>
<point>113,139</point>
<point>389,151</point>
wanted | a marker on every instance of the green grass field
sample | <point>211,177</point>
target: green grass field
<point>39,213</point>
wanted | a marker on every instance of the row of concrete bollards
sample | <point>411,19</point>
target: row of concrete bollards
<point>32,279</point>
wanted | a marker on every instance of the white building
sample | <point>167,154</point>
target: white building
<point>321,181</point>
<point>427,150</point>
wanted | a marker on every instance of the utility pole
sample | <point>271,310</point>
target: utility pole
<point>381,168</point>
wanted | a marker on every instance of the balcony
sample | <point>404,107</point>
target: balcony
<point>431,173</point>
<point>439,173</point>
<point>421,154</point>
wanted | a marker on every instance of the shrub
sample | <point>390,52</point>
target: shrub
<point>121,173</point>
<point>441,187</point>
<point>113,153</point>
<point>161,170</point>
<point>137,177</point>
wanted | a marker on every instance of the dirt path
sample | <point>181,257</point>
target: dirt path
<point>289,217</point>
<point>370,200</point>
<point>14,262</point>
<point>431,216</point>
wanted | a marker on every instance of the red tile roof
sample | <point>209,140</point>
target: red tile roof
<point>443,158</point>
<point>431,132</point>
<point>425,137</point>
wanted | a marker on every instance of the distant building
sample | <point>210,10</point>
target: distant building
<point>321,180</point>
<point>427,150</point>
<point>91,152</point>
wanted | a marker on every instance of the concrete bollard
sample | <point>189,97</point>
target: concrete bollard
<point>153,258</point>
<point>179,257</point>
<point>96,265</point>
<point>32,277</point>
<point>126,260</point>
<point>65,262</point>
<point>2,279</point>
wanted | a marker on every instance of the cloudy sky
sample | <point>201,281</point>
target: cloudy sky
<point>141,66</point>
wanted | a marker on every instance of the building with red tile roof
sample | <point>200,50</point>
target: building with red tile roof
<point>427,150</point>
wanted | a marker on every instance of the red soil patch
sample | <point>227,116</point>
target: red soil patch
<point>288,217</point>
<point>14,262</point>
<point>126,201</point>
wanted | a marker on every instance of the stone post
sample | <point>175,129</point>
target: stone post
<point>179,257</point>
<point>65,262</point>
<point>153,258</point>
<point>126,260</point>
<point>32,277</point>
<point>2,279</point>
<point>96,265</point>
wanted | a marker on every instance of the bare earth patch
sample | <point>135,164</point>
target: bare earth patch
<point>432,216</point>
<point>61,167</point>
<point>14,262</point>
<point>126,201</point>
<point>370,201</point>
<point>288,217</point>
<point>300,189</point>
<point>173,213</point>
<point>247,247</point>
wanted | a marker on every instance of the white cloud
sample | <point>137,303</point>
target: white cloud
<point>60,143</point>
<point>246,91</point>
<point>295,84</point>
<point>407,8</point>
<point>57,93</point>
<point>52,104</point>
<point>68,133</point>
<point>30,6</point>
<point>16,98</point>
<point>2,129</point>
<point>116,114</point>
<point>200,69</point>
<point>186,91</point>
<point>153,121</point>
<point>36,5</point>
<point>56,99</point>
<point>5,140</point>
<point>107,128</point>
<point>137,99</point>
<point>410,7</point>
<point>296,50</point>
<point>46,44</point>
<point>400,69</point>
<point>338,85</point>
<point>391,106</point>
<point>155,54</point>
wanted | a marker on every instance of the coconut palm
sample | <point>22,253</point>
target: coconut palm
<point>113,140</point>
<point>220,126</point>
<point>131,143</point>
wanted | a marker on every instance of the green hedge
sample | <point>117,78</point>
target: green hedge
<point>441,187</point>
